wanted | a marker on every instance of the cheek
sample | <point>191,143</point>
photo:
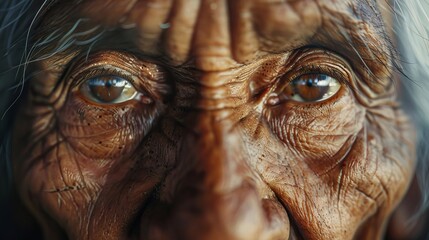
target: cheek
<point>104,133</point>
<point>318,134</point>
<point>84,159</point>
<point>53,182</point>
<point>337,167</point>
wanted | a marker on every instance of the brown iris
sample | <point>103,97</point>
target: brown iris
<point>107,89</point>
<point>311,88</point>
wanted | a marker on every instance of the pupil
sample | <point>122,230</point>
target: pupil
<point>109,83</point>
<point>312,80</point>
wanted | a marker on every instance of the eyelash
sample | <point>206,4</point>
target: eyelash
<point>100,71</point>
<point>315,69</point>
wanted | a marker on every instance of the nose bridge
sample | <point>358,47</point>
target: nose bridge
<point>213,192</point>
<point>215,189</point>
<point>214,145</point>
<point>217,197</point>
<point>218,152</point>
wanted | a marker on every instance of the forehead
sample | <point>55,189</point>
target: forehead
<point>221,34</point>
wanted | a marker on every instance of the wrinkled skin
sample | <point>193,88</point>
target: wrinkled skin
<point>212,150</point>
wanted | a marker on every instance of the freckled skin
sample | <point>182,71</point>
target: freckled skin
<point>212,156</point>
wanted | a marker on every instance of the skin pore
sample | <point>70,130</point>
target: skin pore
<point>222,132</point>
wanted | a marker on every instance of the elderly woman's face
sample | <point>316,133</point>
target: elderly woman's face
<point>161,119</point>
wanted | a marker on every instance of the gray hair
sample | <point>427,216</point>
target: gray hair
<point>412,32</point>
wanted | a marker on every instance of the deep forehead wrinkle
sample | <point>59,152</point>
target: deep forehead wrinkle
<point>228,33</point>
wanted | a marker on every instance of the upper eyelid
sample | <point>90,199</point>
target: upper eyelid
<point>104,62</point>
<point>333,65</point>
<point>86,74</point>
<point>344,77</point>
<point>102,58</point>
<point>317,70</point>
<point>146,76</point>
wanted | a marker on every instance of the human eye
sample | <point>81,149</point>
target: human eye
<point>314,78</point>
<point>312,108</point>
<point>110,79</point>
<point>113,100</point>
<point>109,86</point>
<point>312,87</point>
<point>107,89</point>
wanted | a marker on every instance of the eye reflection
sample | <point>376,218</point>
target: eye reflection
<point>311,88</point>
<point>108,89</point>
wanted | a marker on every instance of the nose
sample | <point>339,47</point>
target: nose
<point>213,192</point>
